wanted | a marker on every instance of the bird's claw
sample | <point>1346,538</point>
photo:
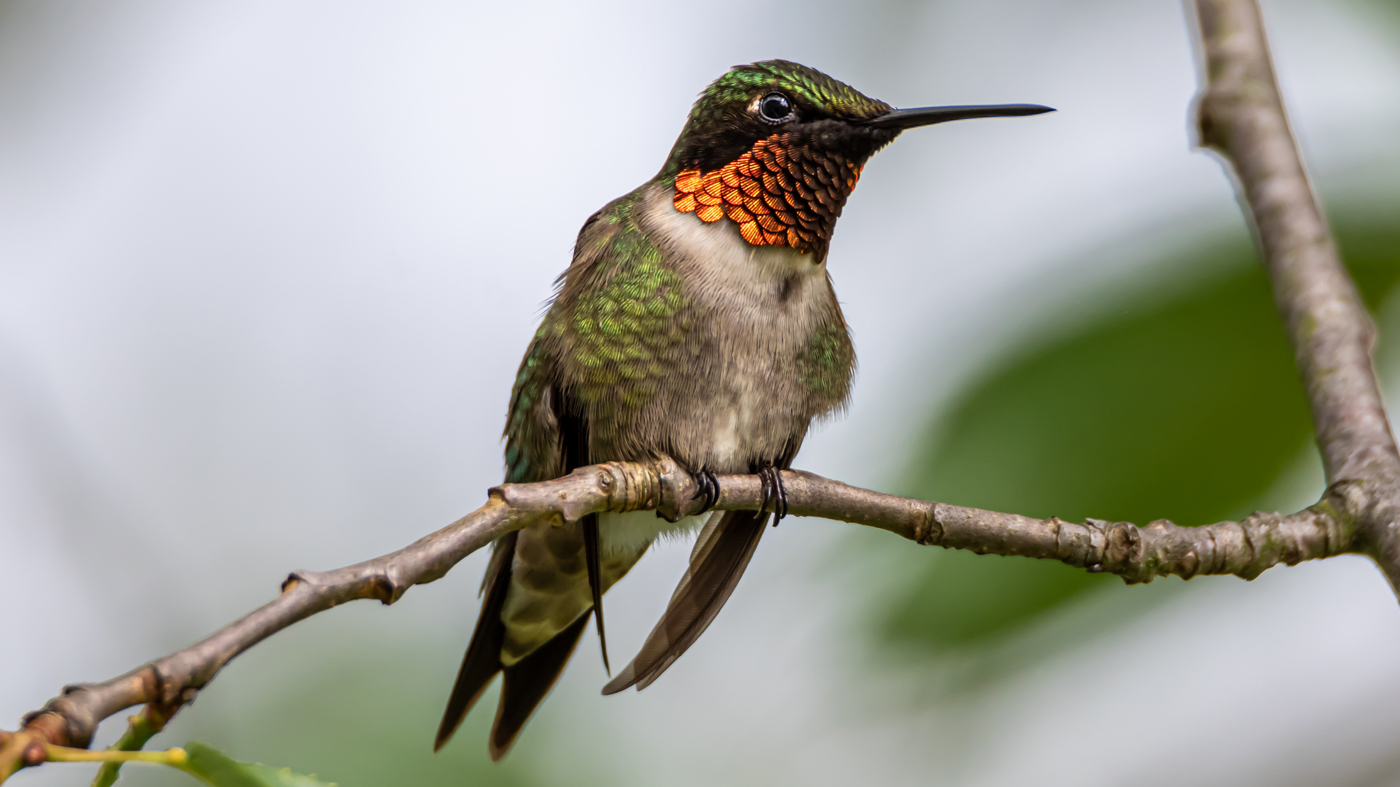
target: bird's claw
<point>774,492</point>
<point>707,489</point>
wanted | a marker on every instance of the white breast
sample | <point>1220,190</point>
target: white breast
<point>634,530</point>
<point>763,303</point>
<point>721,255</point>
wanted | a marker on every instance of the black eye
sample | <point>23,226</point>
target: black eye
<point>775,108</point>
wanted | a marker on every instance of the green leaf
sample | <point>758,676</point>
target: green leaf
<point>1183,404</point>
<point>218,769</point>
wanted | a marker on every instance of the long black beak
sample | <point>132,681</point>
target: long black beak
<point>927,116</point>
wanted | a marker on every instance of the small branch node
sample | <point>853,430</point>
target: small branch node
<point>1190,564</point>
<point>1059,526</point>
<point>928,526</point>
<point>923,525</point>
<point>1124,544</point>
<point>293,579</point>
<point>679,491</point>
<point>383,589</point>
<point>1094,550</point>
<point>1267,544</point>
<point>629,486</point>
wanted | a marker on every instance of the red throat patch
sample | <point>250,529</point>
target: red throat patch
<point>779,195</point>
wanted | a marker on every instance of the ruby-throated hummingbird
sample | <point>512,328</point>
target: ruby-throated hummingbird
<point>696,321</point>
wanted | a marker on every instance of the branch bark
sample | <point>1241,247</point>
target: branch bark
<point>1241,117</point>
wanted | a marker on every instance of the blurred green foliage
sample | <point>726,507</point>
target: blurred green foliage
<point>1183,404</point>
<point>218,769</point>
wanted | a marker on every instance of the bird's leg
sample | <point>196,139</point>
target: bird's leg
<point>773,491</point>
<point>707,488</point>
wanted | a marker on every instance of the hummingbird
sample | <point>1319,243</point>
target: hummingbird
<point>696,321</point>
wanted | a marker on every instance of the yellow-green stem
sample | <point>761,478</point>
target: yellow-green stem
<point>174,757</point>
<point>140,728</point>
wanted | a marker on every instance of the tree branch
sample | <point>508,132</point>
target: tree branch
<point>1138,554</point>
<point>1240,116</point>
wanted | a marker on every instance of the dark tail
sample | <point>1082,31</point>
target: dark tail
<point>721,554</point>
<point>525,683</point>
<point>483,659</point>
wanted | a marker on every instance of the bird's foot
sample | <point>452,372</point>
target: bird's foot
<point>707,489</point>
<point>774,492</point>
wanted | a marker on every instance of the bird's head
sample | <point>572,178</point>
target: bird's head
<point>777,147</point>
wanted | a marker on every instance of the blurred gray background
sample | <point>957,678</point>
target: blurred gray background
<point>266,271</point>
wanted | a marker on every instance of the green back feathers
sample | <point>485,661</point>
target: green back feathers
<point>617,327</point>
<point>626,329</point>
<point>526,432</point>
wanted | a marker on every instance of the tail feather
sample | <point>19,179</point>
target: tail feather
<point>526,682</point>
<point>721,554</point>
<point>483,658</point>
<point>595,579</point>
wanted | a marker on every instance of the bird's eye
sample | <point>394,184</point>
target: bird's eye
<point>775,108</point>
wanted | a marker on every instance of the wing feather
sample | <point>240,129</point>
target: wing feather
<point>721,554</point>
